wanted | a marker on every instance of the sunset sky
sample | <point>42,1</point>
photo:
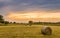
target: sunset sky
<point>35,10</point>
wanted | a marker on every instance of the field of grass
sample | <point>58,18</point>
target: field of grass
<point>21,31</point>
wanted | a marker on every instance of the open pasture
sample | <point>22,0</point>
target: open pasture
<point>22,31</point>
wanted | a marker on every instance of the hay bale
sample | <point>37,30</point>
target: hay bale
<point>46,30</point>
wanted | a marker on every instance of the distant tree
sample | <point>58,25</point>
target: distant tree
<point>6,22</point>
<point>1,19</point>
<point>10,22</point>
<point>30,23</point>
<point>14,22</point>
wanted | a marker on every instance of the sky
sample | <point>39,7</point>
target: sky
<point>35,10</point>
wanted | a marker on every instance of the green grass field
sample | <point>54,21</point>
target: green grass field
<point>21,31</point>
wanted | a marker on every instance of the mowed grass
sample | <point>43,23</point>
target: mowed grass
<point>22,31</point>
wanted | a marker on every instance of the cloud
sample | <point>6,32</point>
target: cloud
<point>46,17</point>
<point>18,5</point>
<point>27,6</point>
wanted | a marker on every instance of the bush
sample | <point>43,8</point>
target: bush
<point>6,22</point>
<point>30,23</point>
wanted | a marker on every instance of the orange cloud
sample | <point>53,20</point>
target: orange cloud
<point>34,15</point>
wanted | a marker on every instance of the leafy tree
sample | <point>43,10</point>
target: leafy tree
<point>1,19</point>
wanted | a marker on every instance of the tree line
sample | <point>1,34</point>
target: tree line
<point>29,22</point>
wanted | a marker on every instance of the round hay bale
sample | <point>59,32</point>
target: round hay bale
<point>46,30</point>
